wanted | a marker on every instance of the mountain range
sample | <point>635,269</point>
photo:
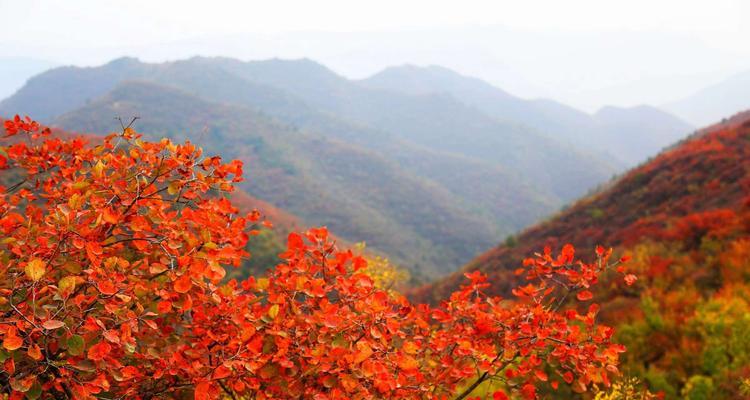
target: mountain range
<point>629,135</point>
<point>429,172</point>
<point>714,102</point>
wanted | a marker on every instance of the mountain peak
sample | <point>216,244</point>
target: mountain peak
<point>418,80</point>
<point>125,61</point>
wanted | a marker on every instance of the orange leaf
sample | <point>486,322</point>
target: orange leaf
<point>541,375</point>
<point>364,351</point>
<point>202,391</point>
<point>106,288</point>
<point>35,352</point>
<point>99,351</point>
<point>164,306</point>
<point>110,215</point>
<point>12,342</point>
<point>183,284</point>
<point>408,363</point>
<point>499,395</point>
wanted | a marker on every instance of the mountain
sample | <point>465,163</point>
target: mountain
<point>493,174</point>
<point>14,71</point>
<point>637,133</point>
<point>312,97</point>
<point>358,193</point>
<point>715,101</point>
<point>684,218</point>
<point>629,135</point>
<point>436,121</point>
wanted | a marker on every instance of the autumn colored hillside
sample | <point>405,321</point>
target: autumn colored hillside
<point>115,281</point>
<point>684,218</point>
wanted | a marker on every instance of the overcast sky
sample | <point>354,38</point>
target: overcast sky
<point>585,52</point>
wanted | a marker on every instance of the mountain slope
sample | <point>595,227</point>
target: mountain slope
<point>646,129</point>
<point>714,102</point>
<point>359,194</point>
<point>684,217</point>
<point>14,71</point>
<point>436,121</point>
<point>637,133</point>
<point>212,80</point>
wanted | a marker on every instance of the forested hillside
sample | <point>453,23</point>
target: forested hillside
<point>684,220</point>
<point>359,194</point>
<point>469,201</point>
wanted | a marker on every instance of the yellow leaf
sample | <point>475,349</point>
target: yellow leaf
<point>173,188</point>
<point>273,311</point>
<point>410,347</point>
<point>80,185</point>
<point>262,283</point>
<point>98,169</point>
<point>364,351</point>
<point>35,269</point>
<point>67,285</point>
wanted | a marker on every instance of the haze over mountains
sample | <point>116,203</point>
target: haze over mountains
<point>714,102</point>
<point>425,165</point>
<point>609,130</point>
<point>14,71</point>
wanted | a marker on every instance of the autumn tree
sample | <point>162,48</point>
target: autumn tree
<point>112,264</point>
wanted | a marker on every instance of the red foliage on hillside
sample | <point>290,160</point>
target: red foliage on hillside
<point>684,219</point>
<point>701,181</point>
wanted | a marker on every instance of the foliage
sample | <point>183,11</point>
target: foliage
<point>384,274</point>
<point>684,218</point>
<point>625,389</point>
<point>112,264</point>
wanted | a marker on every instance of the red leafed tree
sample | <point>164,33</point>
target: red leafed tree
<point>112,264</point>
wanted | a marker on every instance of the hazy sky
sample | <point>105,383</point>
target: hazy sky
<point>584,52</point>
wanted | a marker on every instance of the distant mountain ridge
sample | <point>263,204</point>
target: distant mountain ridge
<point>358,193</point>
<point>714,102</point>
<point>397,155</point>
<point>14,71</point>
<point>599,131</point>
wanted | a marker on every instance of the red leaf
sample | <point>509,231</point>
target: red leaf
<point>584,295</point>
<point>222,372</point>
<point>499,395</point>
